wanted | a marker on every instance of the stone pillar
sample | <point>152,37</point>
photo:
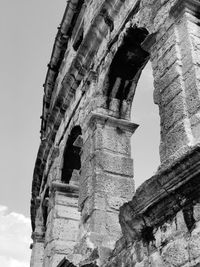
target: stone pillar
<point>106,182</point>
<point>37,247</point>
<point>62,223</point>
<point>176,68</point>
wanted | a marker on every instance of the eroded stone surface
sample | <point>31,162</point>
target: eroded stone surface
<point>75,215</point>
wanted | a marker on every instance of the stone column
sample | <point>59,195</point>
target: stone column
<point>62,223</point>
<point>37,247</point>
<point>176,68</point>
<point>106,182</point>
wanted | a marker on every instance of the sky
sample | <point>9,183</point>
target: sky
<point>28,29</point>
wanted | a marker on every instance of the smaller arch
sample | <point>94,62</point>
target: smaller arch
<point>71,156</point>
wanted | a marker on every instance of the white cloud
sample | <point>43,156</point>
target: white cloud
<point>9,262</point>
<point>15,232</point>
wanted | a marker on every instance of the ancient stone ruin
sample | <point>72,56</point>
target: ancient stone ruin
<point>84,208</point>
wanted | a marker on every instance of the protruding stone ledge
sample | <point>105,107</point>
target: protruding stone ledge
<point>149,42</point>
<point>190,6</point>
<point>38,237</point>
<point>162,196</point>
<point>72,190</point>
<point>105,119</point>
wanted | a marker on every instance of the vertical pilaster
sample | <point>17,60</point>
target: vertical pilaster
<point>62,223</point>
<point>37,255</point>
<point>106,182</point>
<point>187,17</point>
<point>176,68</point>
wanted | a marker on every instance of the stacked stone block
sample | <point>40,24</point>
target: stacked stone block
<point>176,68</point>
<point>38,237</point>
<point>62,224</point>
<point>106,182</point>
<point>161,225</point>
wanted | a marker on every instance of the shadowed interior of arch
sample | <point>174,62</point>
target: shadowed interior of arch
<point>72,159</point>
<point>127,65</point>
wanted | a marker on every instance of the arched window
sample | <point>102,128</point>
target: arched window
<point>71,159</point>
<point>127,65</point>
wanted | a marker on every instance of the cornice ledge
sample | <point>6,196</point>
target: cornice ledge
<point>190,6</point>
<point>38,237</point>
<point>106,119</point>
<point>65,188</point>
<point>162,190</point>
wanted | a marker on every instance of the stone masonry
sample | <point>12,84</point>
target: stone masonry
<point>84,207</point>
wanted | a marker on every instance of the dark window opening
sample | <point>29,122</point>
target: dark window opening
<point>78,40</point>
<point>72,159</point>
<point>127,64</point>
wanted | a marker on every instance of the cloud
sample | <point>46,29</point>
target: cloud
<point>9,262</point>
<point>15,232</point>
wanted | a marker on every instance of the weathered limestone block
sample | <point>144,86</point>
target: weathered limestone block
<point>176,142</point>
<point>112,163</point>
<point>176,81</point>
<point>156,260</point>
<point>111,183</point>
<point>162,229</point>
<point>106,182</point>
<point>175,253</point>
<point>62,224</point>
<point>113,139</point>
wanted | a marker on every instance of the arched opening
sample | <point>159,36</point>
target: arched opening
<point>146,140</point>
<point>71,160</point>
<point>127,65</point>
<point>129,70</point>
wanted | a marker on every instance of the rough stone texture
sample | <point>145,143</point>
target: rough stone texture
<point>160,226</point>
<point>176,82</point>
<point>62,225</point>
<point>162,229</point>
<point>106,182</point>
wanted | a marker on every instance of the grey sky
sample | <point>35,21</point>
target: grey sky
<point>28,29</point>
